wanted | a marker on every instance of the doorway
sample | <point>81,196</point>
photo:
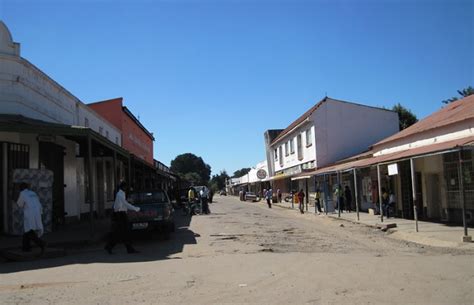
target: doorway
<point>433,197</point>
<point>51,156</point>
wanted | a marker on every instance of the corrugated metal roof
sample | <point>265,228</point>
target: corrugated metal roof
<point>415,152</point>
<point>457,111</point>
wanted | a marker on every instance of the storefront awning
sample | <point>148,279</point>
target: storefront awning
<point>21,124</point>
<point>418,152</point>
<point>300,177</point>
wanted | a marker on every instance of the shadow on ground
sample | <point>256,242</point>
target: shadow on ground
<point>151,249</point>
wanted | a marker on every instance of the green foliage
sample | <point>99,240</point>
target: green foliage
<point>218,181</point>
<point>405,116</point>
<point>463,93</point>
<point>191,168</point>
<point>241,172</point>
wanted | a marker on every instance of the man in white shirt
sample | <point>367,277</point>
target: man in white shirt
<point>204,194</point>
<point>32,223</point>
<point>120,229</point>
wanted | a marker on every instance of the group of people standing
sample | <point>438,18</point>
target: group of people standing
<point>343,198</point>
<point>204,196</point>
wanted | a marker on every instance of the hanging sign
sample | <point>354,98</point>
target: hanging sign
<point>393,169</point>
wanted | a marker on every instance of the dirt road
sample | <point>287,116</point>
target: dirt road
<point>247,253</point>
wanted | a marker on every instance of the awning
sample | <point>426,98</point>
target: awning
<point>417,152</point>
<point>300,177</point>
<point>21,124</point>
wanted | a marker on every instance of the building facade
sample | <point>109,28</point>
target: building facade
<point>329,131</point>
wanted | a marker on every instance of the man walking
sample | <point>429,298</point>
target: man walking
<point>120,229</point>
<point>32,223</point>
<point>269,197</point>
<point>301,196</point>
<point>317,200</point>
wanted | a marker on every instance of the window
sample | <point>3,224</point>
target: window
<point>107,134</point>
<point>100,130</point>
<point>86,122</point>
<point>309,137</point>
<point>276,154</point>
<point>116,140</point>
<point>280,150</point>
<point>287,151</point>
<point>292,146</point>
<point>299,146</point>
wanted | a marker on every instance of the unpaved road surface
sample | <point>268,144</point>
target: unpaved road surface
<point>245,253</point>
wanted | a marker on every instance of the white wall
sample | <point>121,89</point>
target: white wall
<point>345,129</point>
<point>27,91</point>
<point>309,152</point>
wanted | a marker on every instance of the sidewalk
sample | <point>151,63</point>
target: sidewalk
<point>429,233</point>
<point>70,236</point>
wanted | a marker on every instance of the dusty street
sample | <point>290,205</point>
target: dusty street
<point>247,253</point>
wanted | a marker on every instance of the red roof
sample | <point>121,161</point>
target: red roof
<point>393,157</point>
<point>455,112</point>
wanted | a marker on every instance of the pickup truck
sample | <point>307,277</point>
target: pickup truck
<point>156,213</point>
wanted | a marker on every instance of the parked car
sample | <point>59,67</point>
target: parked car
<point>251,197</point>
<point>223,193</point>
<point>156,212</point>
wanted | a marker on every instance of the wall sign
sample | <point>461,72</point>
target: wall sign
<point>261,174</point>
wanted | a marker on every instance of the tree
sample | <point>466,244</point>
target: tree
<point>463,93</point>
<point>406,118</point>
<point>241,172</point>
<point>189,163</point>
<point>218,181</point>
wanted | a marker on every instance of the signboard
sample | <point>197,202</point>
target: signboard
<point>261,174</point>
<point>392,169</point>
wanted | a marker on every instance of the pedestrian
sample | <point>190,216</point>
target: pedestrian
<point>191,198</point>
<point>391,203</point>
<point>269,197</point>
<point>32,223</point>
<point>347,198</point>
<point>211,195</point>
<point>385,201</point>
<point>338,194</point>
<point>203,195</point>
<point>279,195</point>
<point>120,226</point>
<point>301,196</point>
<point>317,200</point>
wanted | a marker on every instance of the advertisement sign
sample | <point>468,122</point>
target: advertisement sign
<point>261,174</point>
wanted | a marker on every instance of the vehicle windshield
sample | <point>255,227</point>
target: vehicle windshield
<point>149,197</point>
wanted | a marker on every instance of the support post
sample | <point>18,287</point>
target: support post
<point>307,193</point>
<point>338,190</point>
<point>115,172</point>
<point>379,183</point>
<point>356,194</point>
<point>413,189</point>
<point>129,171</point>
<point>326,190</point>
<point>91,184</point>
<point>466,237</point>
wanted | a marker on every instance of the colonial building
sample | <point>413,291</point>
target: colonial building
<point>329,131</point>
<point>44,127</point>
<point>427,166</point>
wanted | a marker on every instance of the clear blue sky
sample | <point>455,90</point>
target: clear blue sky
<point>209,77</point>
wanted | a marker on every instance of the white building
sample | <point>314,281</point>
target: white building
<point>331,130</point>
<point>51,127</point>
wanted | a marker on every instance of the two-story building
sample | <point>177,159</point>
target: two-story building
<point>330,130</point>
<point>45,129</point>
